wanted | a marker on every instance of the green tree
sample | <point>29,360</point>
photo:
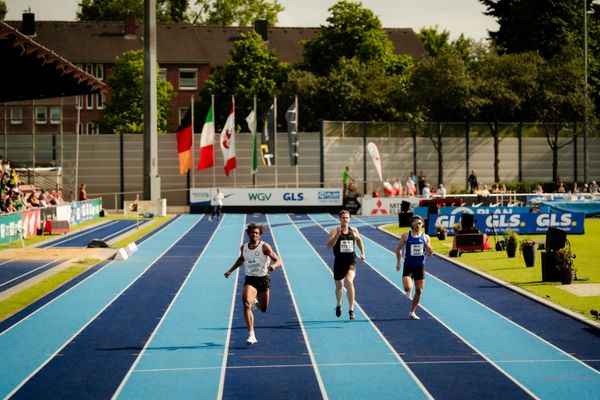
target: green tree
<point>116,10</point>
<point>352,32</point>
<point>436,42</point>
<point>305,85</point>
<point>236,12</point>
<point>560,100</point>
<point>252,70</point>
<point>504,84</point>
<point>3,10</point>
<point>125,109</point>
<point>442,91</point>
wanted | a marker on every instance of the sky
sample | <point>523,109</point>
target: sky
<point>455,16</point>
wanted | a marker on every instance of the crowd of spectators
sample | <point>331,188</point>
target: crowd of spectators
<point>17,197</point>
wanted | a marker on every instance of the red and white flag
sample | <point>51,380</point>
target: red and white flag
<point>374,152</point>
<point>228,141</point>
<point>207,151</point>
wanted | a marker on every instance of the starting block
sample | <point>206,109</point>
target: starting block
<point>125,252</point>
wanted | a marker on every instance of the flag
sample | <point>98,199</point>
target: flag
<point>228,141</point>
<point>291,116</point>
<point>267,137</point>
<point>207,151</point>
<point>184,142</point>
<point>374,152</point>
<point>251,120</point>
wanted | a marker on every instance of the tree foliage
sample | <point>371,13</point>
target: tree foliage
<point>252,70</point>
<point>436,42</point>
<point>3,10</point>
<point>116,10</point>
<point>125,109</point>
<point>236,12</point>
<point>352,32</point>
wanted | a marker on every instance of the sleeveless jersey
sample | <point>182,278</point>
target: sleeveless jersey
<point>255,261</point>
<point>343,249</point>
<point>414,250</point>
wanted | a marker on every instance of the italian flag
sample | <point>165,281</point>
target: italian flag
<point>228,141</point>
<point>207,152</point>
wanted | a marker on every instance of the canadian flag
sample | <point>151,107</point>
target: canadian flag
<point>228,141</point>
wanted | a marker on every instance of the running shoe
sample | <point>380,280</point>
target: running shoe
<point>251,339</point>
<point>255,304</point>
<point>338,311</point>
<point>351,312</point>
<point>414,316</point>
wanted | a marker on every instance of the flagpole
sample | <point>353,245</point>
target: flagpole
<point>275,138</point>
<point>297,137</point>
<point>212,105</point>
<point>254,143</point>
<point>233,139</point>
<point>193,149</point>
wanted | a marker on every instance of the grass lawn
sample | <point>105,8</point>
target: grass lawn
<point>513,270</point>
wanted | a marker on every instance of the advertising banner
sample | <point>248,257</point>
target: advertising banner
<point>269,197</point>
<point>384,205</point>
<point>10,227</point>
<point>530,223</point>
<point>30,222</point>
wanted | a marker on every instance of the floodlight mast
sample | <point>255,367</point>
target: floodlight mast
<point>151,177</point>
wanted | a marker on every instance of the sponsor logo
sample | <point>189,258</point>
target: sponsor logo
<point>200,196</point>
<point>329,195</point>
<point>293,196</point>
<point>560,220</point>
<point>259,196</point>
<point>379,209</point>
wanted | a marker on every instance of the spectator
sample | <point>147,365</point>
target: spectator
<point>421,181</point>
<point>575,187</point>
<point>346,179</point>
<point>410,186</point>
<point>82,192</point>
<point>398,187</point>
<point>388,189</point>
<point>473,183</point>
<point>441,191</point>
<point>594,189</point>
<point>538,189</point>
<point>426,191</point>
<point>561,188</point>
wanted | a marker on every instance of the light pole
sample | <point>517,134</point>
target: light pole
<point>585,91</point>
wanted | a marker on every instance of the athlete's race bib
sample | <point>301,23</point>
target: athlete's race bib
<point>346,246</point>
<point>416,250</point>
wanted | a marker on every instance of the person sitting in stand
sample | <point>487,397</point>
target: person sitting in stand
<point>441,191</point>
<point>398,187</point>
<point>426,191</point>
<point>388,189</point>
<point>594,189</point>
<point>410,186</point>
<point>538,189</point>
<point>33,200</point>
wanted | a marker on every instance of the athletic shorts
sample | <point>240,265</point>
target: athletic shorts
<point>341,269</point>
<point>417,273</point>
<point>260,283</point>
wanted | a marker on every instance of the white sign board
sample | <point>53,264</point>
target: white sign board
<point>268,197</point>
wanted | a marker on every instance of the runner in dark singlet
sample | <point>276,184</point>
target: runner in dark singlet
<point>342,240</point>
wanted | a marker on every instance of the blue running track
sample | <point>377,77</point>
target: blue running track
<point>166,324</point>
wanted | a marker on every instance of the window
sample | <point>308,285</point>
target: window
<point>55,115</point>
<point>41,115</point>
<point>100,101</point>
<point>162,73</point>
<point>16,115</point>
<point>90,102</point>
<point>100,71</point>
<point>182,112</point>
<point>188,79</point>
<point>79,100</point>
<point>89,68</point>
<point>80,128</point>
<point>89,128</point>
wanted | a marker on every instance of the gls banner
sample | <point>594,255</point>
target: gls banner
<point>531,223</point>
<point>269,197</point>
<point>483,210</point>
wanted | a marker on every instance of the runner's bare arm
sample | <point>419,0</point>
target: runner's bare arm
<point>399,250</point>
<point>360,244</point>
<point>268,251</point>
<point>333,237</point>
<point>237,264</point>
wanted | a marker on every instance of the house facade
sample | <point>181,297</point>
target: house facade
<point>186,55</point>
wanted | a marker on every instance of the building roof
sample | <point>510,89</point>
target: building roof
<point>29,70</point>
<point>181,43</point>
